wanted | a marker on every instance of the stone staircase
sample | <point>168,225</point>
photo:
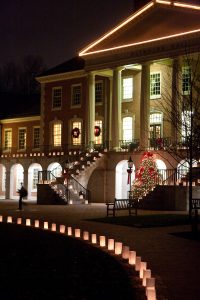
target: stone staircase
<point>73,190</point>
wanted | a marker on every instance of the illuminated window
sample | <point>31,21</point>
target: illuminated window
<point>99,92</point>
<point>8,139</point>
<point>98,131</point>
<point>155,85</point>
<point>186,80</point>
<point>36,137</point>
<point>186,124</point>
<point>155,118</point>
<point>56,97</point>
<point>77,140</point>
<point>57,134</point>
<point>35,179</point>
<point>127,128</point>
<point>127,88</point>
<point>76,95</point>
<point>22,139</point>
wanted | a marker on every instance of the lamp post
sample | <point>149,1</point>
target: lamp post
<point>129,171</point>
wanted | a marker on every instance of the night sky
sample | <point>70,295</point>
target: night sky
<point>57,29</point>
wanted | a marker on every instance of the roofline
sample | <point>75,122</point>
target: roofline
<point>20,119</point>
<point>61,76</point>
<point>85,52</point>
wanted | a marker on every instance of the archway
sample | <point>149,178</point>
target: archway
<point>16,177</point>
<point>183,167</point>
<point>56,170</point>
<point>121,176</point>
<point>33,180</point>
<point>2,182</point>
<point>161,166</point>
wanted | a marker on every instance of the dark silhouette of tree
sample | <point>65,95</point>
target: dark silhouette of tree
<point>182,110</point>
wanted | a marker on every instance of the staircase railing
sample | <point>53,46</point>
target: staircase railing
<point>82,191</point>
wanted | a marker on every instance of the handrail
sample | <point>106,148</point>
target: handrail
<point>85,192</point>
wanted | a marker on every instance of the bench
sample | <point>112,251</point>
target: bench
<point>121,204</point>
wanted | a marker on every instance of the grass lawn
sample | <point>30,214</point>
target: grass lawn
<point>145,221</point>
<point>37,264</point>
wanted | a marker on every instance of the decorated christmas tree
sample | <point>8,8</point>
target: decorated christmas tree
<point>146,177</point>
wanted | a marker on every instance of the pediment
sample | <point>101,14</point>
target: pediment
<point>157,21</point>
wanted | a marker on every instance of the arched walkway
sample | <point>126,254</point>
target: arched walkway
<point>161,168</point>
<point>2,181</point>
<point>56,170</point>
<point>33,180</point>
<point>121,177</point>
<point>16,177</point>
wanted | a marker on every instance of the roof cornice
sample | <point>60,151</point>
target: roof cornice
<point>20,119</point>
<point>61,76</point>
<point>88,50</point>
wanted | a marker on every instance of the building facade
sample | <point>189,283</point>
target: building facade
<point>118,97</point>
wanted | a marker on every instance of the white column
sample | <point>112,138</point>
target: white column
<point>144,106</point>
<point>116,109</point>
<point>91,108</point>
<point>7,183</point>
<point>175,115</point>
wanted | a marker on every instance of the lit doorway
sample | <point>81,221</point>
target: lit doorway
<point>121,177</point>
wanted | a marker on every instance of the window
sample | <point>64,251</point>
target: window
<point>186,124</point>
<point>155,86</point>
<point>22,139</point>
<point>57,128</point>
<point>155,118</point>
<point>98,132</point>
<point>76,95</point>
<point>127,129</point>
<point>35,179</point>
<point>56,97</point>
<point>36,137</point>
<point>127,88</point>
<point>77,140</point>
<point>186,80</point>
<point>99,92</point>
<point>8,139</point>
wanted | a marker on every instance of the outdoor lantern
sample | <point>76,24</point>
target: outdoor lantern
<point>69,231</point>
<point>37,223</point>
<point>77,233</point>
<point>46,225</point>
<point>28,222</point>
<point>53,227</point>
<point>85,235</point>
<point>132,257</point>
<point>125,252</point>
<point>143,266</point>
<point>81,195</point>
<point>1,218</point>
<point>62,228</point>
<point>137,263</point>
<point>102,241</point>
<point>94,238</point>
<point>70,201</point>
<point>130,163</point>
<point>151,293</point>
<point>111,243</point>
<point>9,219</point>
<point>150,282</point>
<point>118,248</point>
<point>19,221</point>
<point>146,274</point>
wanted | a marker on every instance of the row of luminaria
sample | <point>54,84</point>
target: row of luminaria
<point>113,247</point>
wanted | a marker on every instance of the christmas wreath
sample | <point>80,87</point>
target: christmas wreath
<point>75,132</point>
<point>97,130</point>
